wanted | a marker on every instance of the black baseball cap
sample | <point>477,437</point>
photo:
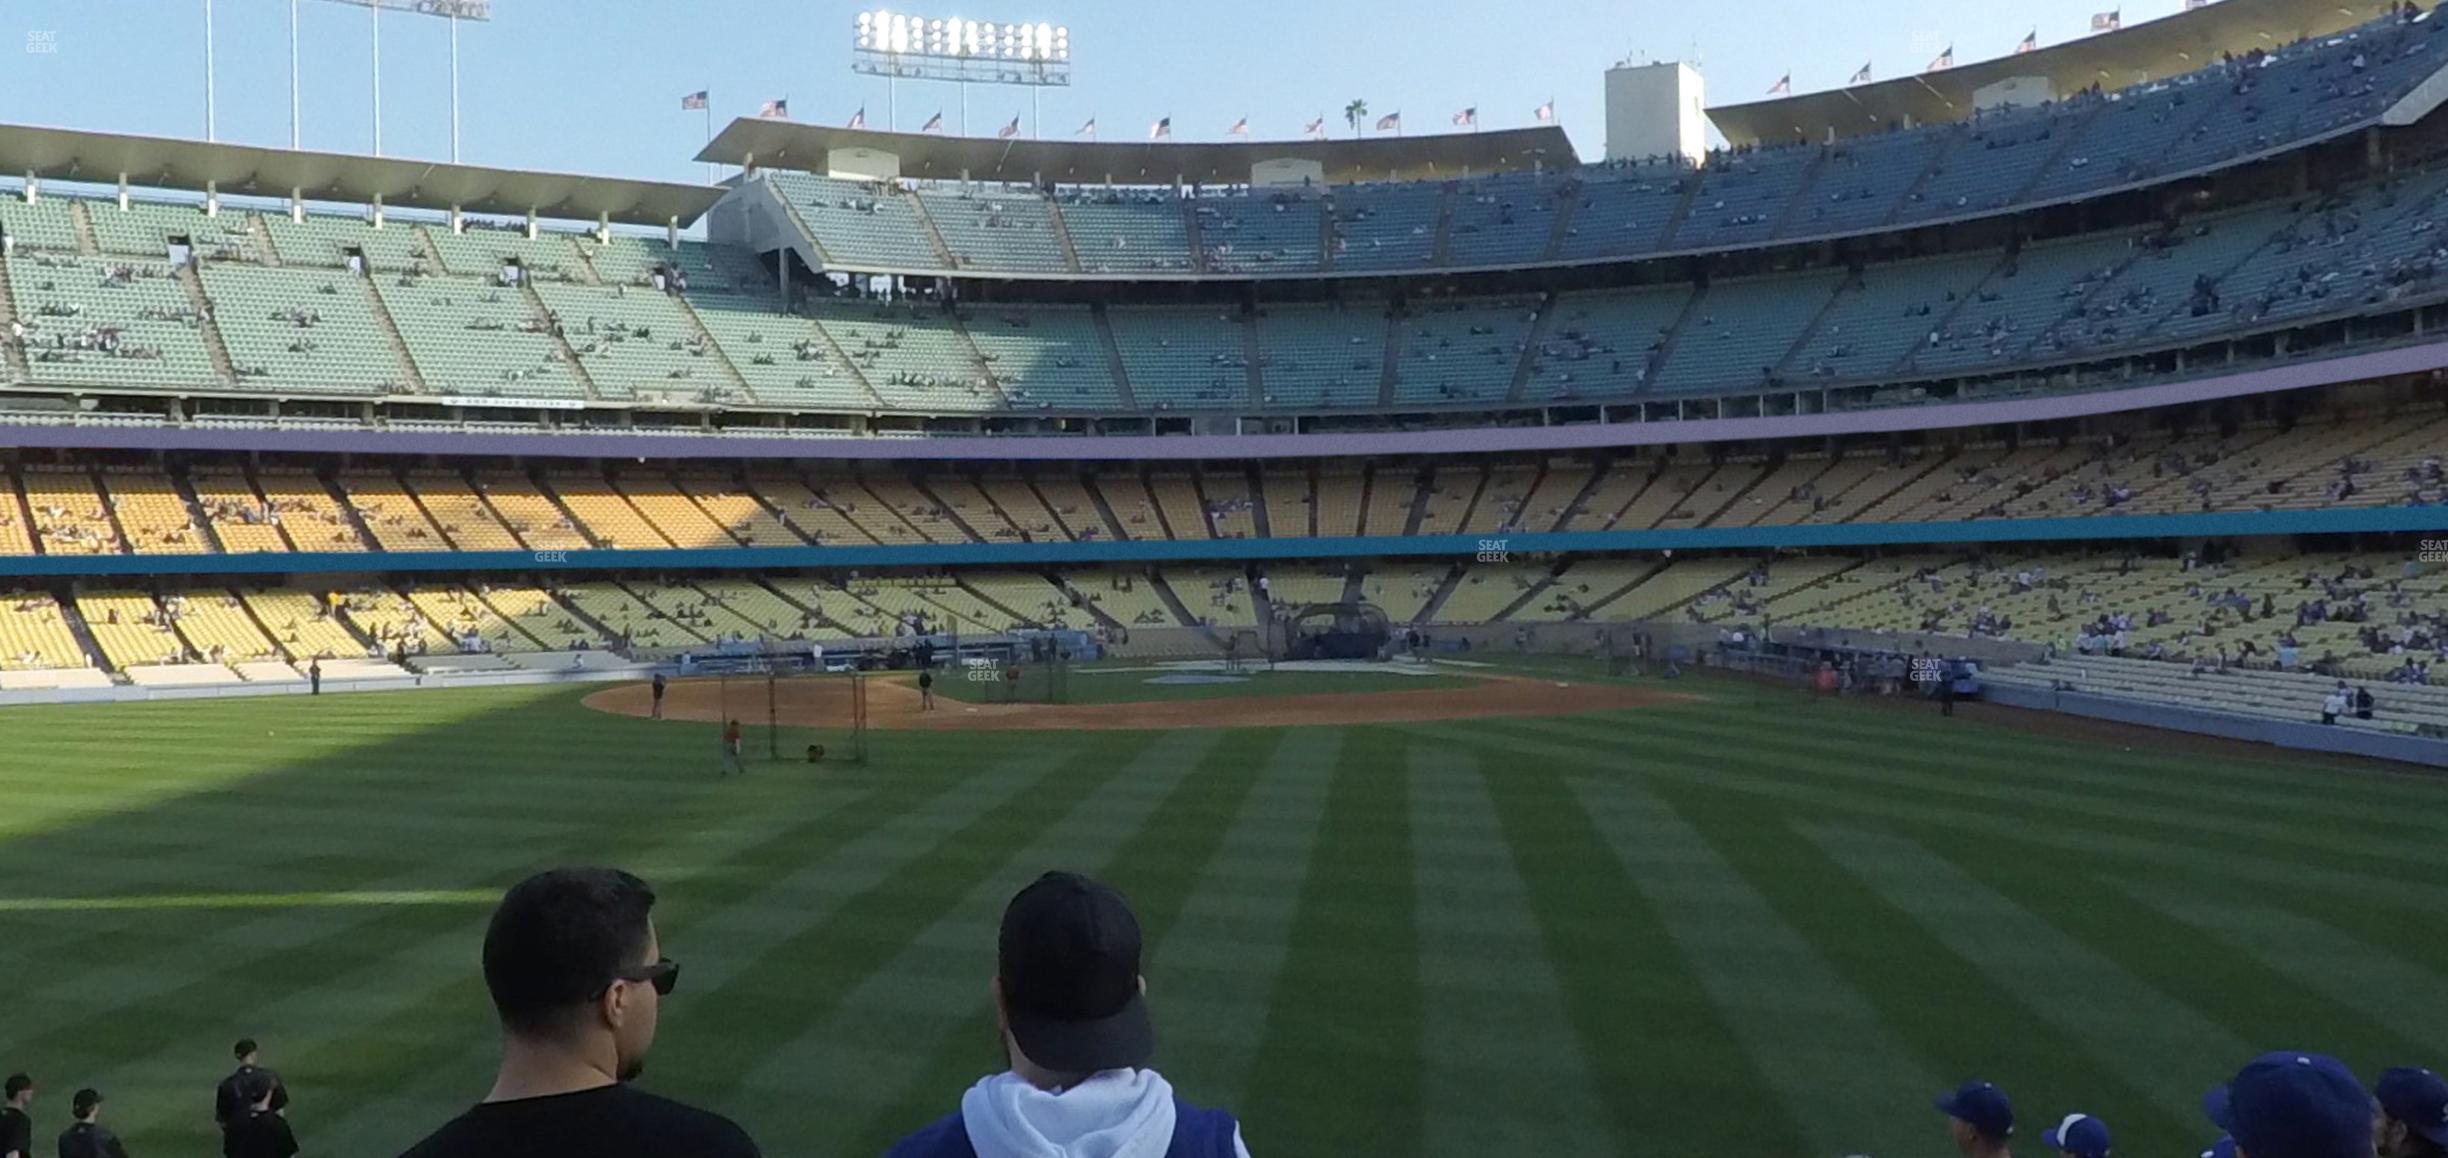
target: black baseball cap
<point>1068,961</point>
<point>84,1101</point>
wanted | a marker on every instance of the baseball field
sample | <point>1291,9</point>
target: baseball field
<point>1699,918</point>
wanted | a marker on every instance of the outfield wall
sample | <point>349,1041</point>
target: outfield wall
<point>2235,524</point>
<point>2309,737</point>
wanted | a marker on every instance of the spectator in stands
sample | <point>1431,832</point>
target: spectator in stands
<point>1072,1007</point>
<point>229,1099</point>
<point>2363,703</point>
<point>2078,1136</point>
<point>259,1131</point>
<point>2334,705</point>
<point>2295,1105</point>
<point>88,1137</point>
<point>16,1123</point>
<point>1981,1117</point>
<point>578,977</point>
<point>2413,1114</point>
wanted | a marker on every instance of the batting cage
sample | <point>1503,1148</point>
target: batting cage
<point>806,712</point>
<point>1336,631</point>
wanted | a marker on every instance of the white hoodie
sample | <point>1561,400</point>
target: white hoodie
<point>1114,1114</point>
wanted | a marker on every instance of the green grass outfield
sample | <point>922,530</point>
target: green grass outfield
<point>1754,924</point>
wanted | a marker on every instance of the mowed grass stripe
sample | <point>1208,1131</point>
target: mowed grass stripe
<point>1967,774</point>
<point>1347,1002</point>
<point>2405,1004</point>
<point>1504,1072</point>
<point>935,986</point>
<point>717,923</point>
<point>1931,1001</point>
<point>1629,994</point>
<point>1156,868</point>
<point>2154,1043</point>
<point>828,950</point>
<point>340,1010</point>
<point>1214,970</point>
<point>1848,1083</point>
<point>1728,766</point>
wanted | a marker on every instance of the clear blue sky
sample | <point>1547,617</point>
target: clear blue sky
<point>594,86</point>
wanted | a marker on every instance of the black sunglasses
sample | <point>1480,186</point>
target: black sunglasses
<point>664,975</point>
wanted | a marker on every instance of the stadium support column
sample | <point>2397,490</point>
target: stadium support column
<point>603,227</point>
<point>378,222</point>
<point>531,223</point>
<point>212,199</point>
<point>123,192</point>
<point>297,205</point>
<point>671,231</point>
<point>33,187</point>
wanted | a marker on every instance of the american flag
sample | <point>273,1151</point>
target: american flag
<point>1240,128</point>
<point>1945,60</point>
<point>1161,130</point>
<point>1317,128</point>
<point>1467,117</point>
<point>1546,112</point>
<point>858,120</point>
<point>1863,76</point>
<point>2108,21</point>
<point>780,108</point>
<point>1087,130</point>
<point>1784,84</point>
<point>695,100</point>
<point>2193,4</point>
<point>933,123</point>
<point>2031,41</point>
<point>1009,131</point>
<point>1389,121</point>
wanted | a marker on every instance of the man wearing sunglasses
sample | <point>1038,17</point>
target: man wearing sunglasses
<point>578,978</point>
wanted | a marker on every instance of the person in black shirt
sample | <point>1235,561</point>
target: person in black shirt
<point>259,1131</point>
<point>16,1128</point>
<point>578,979</point>
<point>658,696</point>
<point>229,1103</point>
<point>89,1138</point>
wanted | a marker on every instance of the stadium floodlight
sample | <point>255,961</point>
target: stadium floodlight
<point>451,10</point>
<point>902,46</point>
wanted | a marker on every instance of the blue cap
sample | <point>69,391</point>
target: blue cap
<point>2223,1148</point>
<point>2218,1109</point>
<point>2418,1098</point>
<point>2299,1105</point>
<point>2080,1135</point>
<point>1981,1106</point>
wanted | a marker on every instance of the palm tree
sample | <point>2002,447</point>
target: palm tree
<point>1356,112</point>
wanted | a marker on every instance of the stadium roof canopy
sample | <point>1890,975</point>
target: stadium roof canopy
<point>252,170</point>
<point>753,141</point>
<point>2145,52</point>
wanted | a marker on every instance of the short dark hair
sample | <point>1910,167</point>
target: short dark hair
<point>558,938</point>
<point>245,1046</point>
<point>17,1084</point>
<point>85,1101</point>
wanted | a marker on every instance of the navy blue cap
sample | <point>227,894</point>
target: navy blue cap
<point>2218,1109</point>
<point>1981,1106</point>
<point>2299,1105</point>
<point>2418,1098</point>
<point>2223,1148</point>
<point>2080,1135</point>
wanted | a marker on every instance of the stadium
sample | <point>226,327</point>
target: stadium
<point>1697,647</point>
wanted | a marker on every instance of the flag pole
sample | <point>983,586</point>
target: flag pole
<point>709,122</point>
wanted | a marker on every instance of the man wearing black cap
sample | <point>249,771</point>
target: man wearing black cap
<point>16,1126</point>
<point>1981,1117</point>
<point>578,978</point>
<point>228,1104</point>
<point>88,1138</point>
<point>1072,1007</point>
<point>259,1131</point>
<point>2413,1114</point>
